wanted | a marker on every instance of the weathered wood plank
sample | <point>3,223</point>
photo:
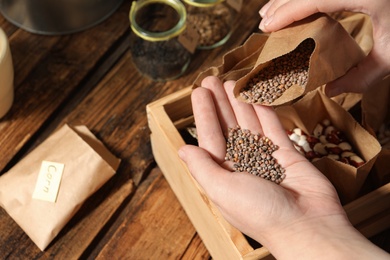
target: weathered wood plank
<point>49,69</point>
<point>196,250</point>
<point>157,227</point>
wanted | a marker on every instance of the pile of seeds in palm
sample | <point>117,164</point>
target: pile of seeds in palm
<point>283,72</point>
<point>253,153</point>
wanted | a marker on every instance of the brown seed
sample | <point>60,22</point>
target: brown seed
<point>253,154</point>
<point>283,72</point>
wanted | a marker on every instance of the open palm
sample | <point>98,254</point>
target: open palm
<point>257,207</point>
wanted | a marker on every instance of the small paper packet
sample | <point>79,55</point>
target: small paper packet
<point>334,53</point>
<point>312,109</point>
<point>40,197</point>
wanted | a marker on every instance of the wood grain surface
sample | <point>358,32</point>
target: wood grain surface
<point>88,78</point>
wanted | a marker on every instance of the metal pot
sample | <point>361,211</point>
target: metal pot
<point>57,16</point>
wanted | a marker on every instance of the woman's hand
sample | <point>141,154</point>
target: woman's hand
<point>290,219</point>
<point>280,13</point>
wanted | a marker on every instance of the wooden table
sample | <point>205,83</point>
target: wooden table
<point>88,78</point>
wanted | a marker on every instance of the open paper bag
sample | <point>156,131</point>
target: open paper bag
<point>237,62</point>
<point>355,29</point>
<point>87,165</point>
<point>313,108</point>
<point>335,52</point>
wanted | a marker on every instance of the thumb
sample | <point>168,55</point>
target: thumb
<point>203,168</point>
<point>358,79</point>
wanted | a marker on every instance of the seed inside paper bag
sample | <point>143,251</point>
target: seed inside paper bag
<point>283,72</point>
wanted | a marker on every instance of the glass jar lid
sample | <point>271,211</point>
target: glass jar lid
<point>164,35</point>
<point>203,3</point>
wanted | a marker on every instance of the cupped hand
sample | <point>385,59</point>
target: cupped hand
<point>258,207</point>
<point>277,14</point>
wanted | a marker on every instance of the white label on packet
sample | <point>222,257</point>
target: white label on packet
<point>49,180</point>
<point>189,38</point>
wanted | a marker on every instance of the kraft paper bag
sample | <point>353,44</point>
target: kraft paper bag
<point>241,60</point>
<point>24,190</point>
<point>359,26</point>
<point>335,52</point>
<point>314,107</point>
<point>237,62</point>
<point>381,169</point>
<point>376,107</point>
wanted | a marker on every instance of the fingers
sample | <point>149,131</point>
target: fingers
<point>280,13</point>
<point>264,9</point>
<point>269,9</point>
<point>230,111</point>
<point>205,170</point>
<point>228,190</point>
<point>272,127</point>
<point>245,114</point>
<point>221,102</point>
<point>210,136</point>
<point>359,78</point>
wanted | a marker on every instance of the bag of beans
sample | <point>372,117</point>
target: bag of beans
<point>297,59</point>
<point>332,140</point>
<point>47,187</point>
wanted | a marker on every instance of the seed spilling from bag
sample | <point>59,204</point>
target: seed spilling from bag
<point>282,73</point>
<point>253,153</point>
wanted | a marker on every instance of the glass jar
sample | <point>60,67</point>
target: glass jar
<point>212,19</point>
<point>155,48</point>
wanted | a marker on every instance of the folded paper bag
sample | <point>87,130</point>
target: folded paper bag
<point>87,165</point>
<point>335,52</point>
<point>237,62</point>
<point>313,108</point>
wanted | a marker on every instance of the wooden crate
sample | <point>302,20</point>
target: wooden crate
<point>370,214</point>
